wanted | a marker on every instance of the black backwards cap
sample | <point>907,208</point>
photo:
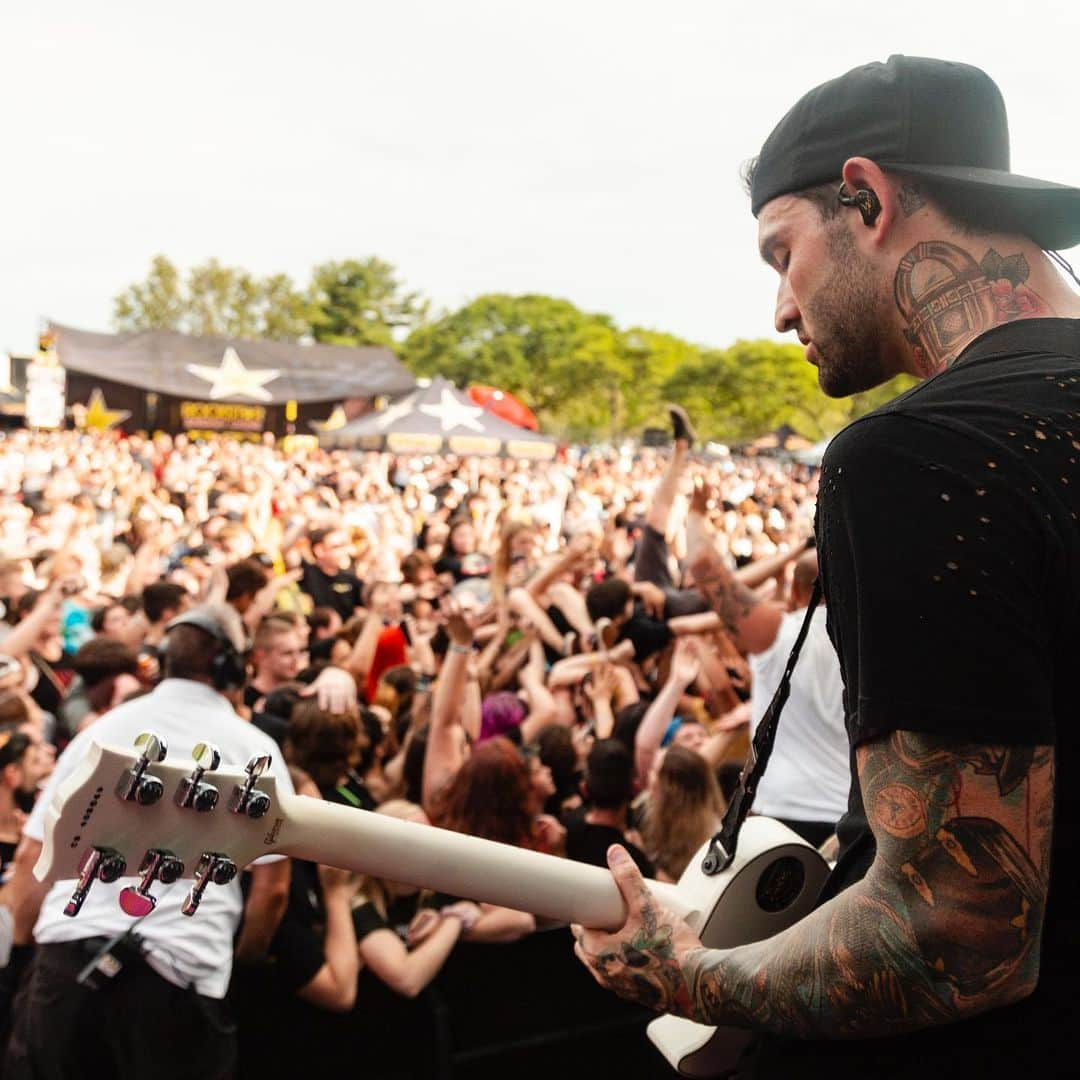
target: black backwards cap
<point>920,117</point>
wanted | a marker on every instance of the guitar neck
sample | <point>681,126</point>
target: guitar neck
<point>453,863</point>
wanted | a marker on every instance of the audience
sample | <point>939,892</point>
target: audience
<point>532,664</point>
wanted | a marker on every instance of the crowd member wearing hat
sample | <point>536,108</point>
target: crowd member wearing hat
<point>947,528</point>
<point>172,974</point>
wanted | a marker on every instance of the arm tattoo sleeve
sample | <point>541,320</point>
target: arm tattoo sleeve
<point>726,595</point>
<point>947,922</point>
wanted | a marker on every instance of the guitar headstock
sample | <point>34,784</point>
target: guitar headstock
<point>131,813</point>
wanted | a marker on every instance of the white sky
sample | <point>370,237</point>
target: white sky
<point>585,149</point>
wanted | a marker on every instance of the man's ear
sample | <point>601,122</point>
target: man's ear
<point>863,175</point>
<point>8,777</point>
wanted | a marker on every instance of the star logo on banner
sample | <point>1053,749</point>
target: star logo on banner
<point>97,416</point>
<point>232,379</point>
<point>452,413</point>
<point>394,412</point>
<point>333,422</point>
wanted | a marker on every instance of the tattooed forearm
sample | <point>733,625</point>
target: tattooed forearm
<point>945,925</point>
<point>947,298</point>
<point>726,595</point>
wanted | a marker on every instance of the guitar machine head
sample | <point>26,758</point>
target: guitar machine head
<point>118,815</point>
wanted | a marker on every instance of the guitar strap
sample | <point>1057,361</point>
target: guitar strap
<point>723,845</point>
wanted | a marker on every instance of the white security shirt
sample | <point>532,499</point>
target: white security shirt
<point>187,950</point>
<point>809,773</point>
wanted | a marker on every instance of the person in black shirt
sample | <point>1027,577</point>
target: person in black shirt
<point>328,580</point>
<point>949,536</point>
<point>609,787</point>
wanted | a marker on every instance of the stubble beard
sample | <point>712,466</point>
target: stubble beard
<point>846,320</point>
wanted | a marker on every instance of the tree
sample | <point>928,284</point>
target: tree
<point>158,303</point>
<point>361,302</point>
<point>569,366</point>
<point>752,387</point>
<point>214,300</point>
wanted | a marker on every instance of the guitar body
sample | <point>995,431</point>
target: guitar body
<point>104,831</point>
<point>773,882</point>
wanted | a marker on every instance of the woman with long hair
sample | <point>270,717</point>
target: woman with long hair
<point>684,809</point>
<point>492,796</point>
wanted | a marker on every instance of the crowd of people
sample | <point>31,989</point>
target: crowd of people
<point>524,654</point>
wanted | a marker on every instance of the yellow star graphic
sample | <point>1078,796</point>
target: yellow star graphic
<point>333,422</point>
<point>97,416</point>
<point>232,379</point>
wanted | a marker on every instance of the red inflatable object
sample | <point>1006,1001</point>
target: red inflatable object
<point>504,405</point>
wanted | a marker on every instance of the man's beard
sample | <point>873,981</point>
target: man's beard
<point>845,321</point>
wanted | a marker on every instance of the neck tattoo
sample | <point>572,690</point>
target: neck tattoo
<point>947,299</point>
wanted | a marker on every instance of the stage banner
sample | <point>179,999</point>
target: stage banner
<point>44,395</point>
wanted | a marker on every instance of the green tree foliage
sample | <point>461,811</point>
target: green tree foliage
<point>215,301</point>
<point>584,376</point>
<point>361,302</point>
<point>355,302</point>
<point>158,303</point>
<point>741,392</point>
<point>578,371</point>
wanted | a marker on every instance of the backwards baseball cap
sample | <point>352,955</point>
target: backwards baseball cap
<point>920,117</point>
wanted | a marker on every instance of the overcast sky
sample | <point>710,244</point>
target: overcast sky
<point>586,149</point>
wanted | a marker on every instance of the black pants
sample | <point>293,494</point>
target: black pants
<point>814,833</point>
<point>138,1025</point>
<point>651,564</point>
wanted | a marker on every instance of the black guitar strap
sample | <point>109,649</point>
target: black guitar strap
<point>723,845</point>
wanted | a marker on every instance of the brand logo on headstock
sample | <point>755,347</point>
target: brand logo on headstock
<point>272,835</point>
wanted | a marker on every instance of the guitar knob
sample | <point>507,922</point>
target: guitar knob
<point>193,793</point>
<point>258,805</point>
<point>246,798</point>
<point>98,864</point>
<point>148,789</point>
<point>212,868</point>
<point>136,784</point>
<point>157,865</point>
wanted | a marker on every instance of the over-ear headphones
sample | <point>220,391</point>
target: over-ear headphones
<point>864,199</point>
<point>228,669</point>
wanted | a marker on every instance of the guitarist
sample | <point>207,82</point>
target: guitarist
<point>947,941</point>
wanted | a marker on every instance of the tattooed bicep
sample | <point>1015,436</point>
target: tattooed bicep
<point>914,785</point>
<point>963,831</point>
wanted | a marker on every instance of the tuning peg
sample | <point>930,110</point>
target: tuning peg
<point>157,865</point>
<point>100,863</point>
<point>192,792</point>
<point>136,784</point>
<point>246,799</point>
<point>212,869</point>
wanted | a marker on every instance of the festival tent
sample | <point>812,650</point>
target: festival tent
<point>436,418</point>
<point>167,380</point>
<point>504,405</point>
<point>784,438</point>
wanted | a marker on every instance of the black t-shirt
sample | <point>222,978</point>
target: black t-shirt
<point>297,951</point>
<point>462,567</point>
<point>950,554</point>
<point>7,857</point>
<point>649,635</point>
<point>589,844</point>
<point>342,591</point>
<point>351,792</point>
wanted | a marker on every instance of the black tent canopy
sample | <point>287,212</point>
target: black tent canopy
<point>434,418</point>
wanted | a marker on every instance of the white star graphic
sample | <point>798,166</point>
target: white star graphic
<point>394,412</point>
<point>451,412</point>
<point>232,379</point>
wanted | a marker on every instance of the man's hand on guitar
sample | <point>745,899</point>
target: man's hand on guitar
<point>643,960</point>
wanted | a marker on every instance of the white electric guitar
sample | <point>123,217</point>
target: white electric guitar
<point>125,815</point>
